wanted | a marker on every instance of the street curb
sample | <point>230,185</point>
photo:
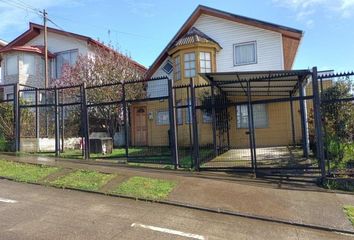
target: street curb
<point>201,208</point>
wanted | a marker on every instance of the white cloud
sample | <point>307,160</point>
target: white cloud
<point>306,9</point>
<point>17,14</point>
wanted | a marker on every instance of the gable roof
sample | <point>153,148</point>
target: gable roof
<point>35,30</point>
<point>2,43</point>
<point>194,35</point>
<point>293,34</point>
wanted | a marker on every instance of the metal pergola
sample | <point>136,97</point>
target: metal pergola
<point>257,87</point>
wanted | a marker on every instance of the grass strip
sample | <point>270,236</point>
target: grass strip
<point>143,187</point>
<point>24,172</point>
<point>349,210</point>
<point>83,179</point>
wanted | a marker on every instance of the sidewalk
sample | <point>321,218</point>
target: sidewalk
<point>305,203</point>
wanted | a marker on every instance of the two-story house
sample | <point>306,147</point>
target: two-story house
<point>216,41</point>
<point>22,60</point>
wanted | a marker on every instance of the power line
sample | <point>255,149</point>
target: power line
<point>106,28</point>
<point>20,6</point>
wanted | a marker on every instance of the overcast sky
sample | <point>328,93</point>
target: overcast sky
<point>142,28</point>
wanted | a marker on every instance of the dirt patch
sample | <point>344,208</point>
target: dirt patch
<point>113,183</point>
<point>56,175</point>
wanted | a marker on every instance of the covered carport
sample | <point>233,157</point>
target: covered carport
<point>283,142</point>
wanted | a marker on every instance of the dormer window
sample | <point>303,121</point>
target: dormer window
<point>245,53</point>
<point>168,67</point>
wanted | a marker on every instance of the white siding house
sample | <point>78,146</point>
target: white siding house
<point>269,49</point>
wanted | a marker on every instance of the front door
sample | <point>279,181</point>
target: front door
<point>140,126</point>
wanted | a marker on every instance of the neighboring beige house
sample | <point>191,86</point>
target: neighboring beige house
<point>2,44</point>
<point>216,41</point>
<point>22,60</point>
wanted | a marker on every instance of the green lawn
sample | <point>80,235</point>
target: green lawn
<point>145,188</point>
<point>83,179</point>
<point>349,210</point>
<point>25,172</point>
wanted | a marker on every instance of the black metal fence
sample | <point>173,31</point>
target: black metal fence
<point>190,125</point>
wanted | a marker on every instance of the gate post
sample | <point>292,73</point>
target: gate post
<point>125,116</point>
<point>56,122</point>
<point>194,126</point>
<point>304,127</point>
<point>173,125</point>
<point>85,122</point>
<point>318,122</point>
<point>17,118</point>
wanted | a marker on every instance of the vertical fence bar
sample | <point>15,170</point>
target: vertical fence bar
<point>37,113</point>
<point>126,125</point>
<point>318,122</point>
<point>324,124</point>
<point>304,129</point>
<point>249,109</point>
<point>62,125</point>
<point>188,89</point>
<point>56,123</point>
<point>173,123</point>
<point>194,126</point>
<point>17,117</point>
<point>213,113</point>
<point>228,128</point>
<point>292,119</point>
<point>85,123</point>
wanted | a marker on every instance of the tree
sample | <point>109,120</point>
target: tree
<point>104,66</point>
<point>338,116</point>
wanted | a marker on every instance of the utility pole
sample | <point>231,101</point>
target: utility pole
<point>45,49</point>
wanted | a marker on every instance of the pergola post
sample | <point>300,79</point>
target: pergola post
<point>318,122</point>
<point>250,126</point>
<point>173,123</point>
<point>213,113</point>
<point>304,126</point>
<point>194,126</point>
<point>292,119</point>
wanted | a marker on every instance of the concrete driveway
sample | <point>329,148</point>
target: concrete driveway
<point>37,212</point>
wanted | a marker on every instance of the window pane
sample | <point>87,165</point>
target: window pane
<point>207,56</point>
<point>187,65</point>
<point>260,116</point>
<point>162,118</point>
<point>28,64</point>
<point>12,65</point>
<point>245,53</point>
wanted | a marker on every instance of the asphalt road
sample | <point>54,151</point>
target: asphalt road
<point>38,212</point>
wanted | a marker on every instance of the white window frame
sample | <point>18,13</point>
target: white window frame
<point>165,122</point>
<point>189,61</point>
<point>244,125</point>
<point>31,69</point>
<point>177,71</point>
<point>203,62</point>
<point>254,43</point>
<point>58,71</point>
<point>7,64</point>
